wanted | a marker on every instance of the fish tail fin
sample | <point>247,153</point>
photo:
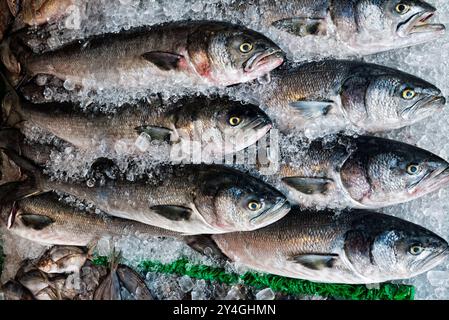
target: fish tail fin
<point>32,184</point>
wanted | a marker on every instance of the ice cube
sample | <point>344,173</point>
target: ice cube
<point>265,294</point>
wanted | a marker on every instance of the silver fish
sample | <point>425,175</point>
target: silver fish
<point>351,247</point>
<point>47,220</point>
<point>191,199</point>
<point>221,126</point>
<point>335,94</point>
<point>180,54</point>
<point>363,172</point>
<point>365,26</point>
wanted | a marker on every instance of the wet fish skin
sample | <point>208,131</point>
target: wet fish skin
<point>190,199</point>
<point>338,93</point>
<point>35,13</point>
<point>5,18</point>
<point>363,172</point>
<point>365,26</point>
<point>192,119</point>
<point>67,226</point>
<point>181,53</point>
<point>133,282</point>
<point>354,247</point>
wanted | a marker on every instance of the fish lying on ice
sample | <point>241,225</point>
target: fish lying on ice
<point>330,95</point>
<point>365,26</point>
<point>178,54</point>
<point>349,247</point>
<point>46,220</point>
<point>362,172</point>
<point>221,126</point>
<point>191,199</point>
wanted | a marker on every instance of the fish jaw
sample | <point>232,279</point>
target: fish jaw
<point>433,182</point>
<point>262,63</point>
<point>423,108</point>
<point>417,25</point>
<point>249,137</point>
<point>266,218</point>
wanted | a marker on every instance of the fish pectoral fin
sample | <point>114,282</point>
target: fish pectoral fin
<point>171,212</point>
<point>312,109</point>
<point>156,133</point>
<point>308,185</point>
<point>316,261</point>
<point>165,60</point>
<point>205,245</point>
<point>302,27</point>
<point>36,222</point>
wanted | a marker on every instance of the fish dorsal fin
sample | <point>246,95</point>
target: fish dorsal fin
<point>172,212</point>
<point>309,185</point>
<point>35,221</point>
<point>302,27</point>
<point>165,60</point>
<point>156,133</point>
<point>316,261</point>
<point>312,109</point>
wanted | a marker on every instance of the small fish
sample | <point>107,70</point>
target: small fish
<point>191,199</point>
<point>180,54</point>
<point>221,126</point>
<point>363,172</point>
<point>335,94</point>
<point>62,259</point>
<point>109,288</point>
<point>365,26</point>
<point>45,219</point>
<point>354,247</point>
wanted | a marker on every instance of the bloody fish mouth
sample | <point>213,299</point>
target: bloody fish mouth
<point>418,23</point>
<point>261,58</point>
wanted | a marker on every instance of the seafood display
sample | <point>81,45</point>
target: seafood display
<point>134,134</point>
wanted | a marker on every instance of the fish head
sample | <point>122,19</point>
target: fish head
<point>380,98</point>
<point>383,172</point>
<point>62,259</point>
<point>238,55</point>
<point>233,201</point>
<point>386,248</point>
<point>380,25</point>
<point>242,125</point>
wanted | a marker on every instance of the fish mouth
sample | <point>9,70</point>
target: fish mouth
<point>431,261</point>
<point>279,210</point>
<point>431,181</point>
<point>263,58</point>
<point>425,105</point>
<point>418,23</point>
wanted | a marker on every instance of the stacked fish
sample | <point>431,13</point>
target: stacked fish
<point>311,219</point>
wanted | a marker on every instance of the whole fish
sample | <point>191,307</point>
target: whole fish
<point>191,199</point>
<point>221,126</point>
<point>363,172</point>
<point>47,220</point>
<point>365,26</point>
<point>331,95</point>
<point>181,54</point>
<point>350,247</point>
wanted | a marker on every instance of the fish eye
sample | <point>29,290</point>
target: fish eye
<point>254,205</point>
<point>402,8</point>
<point>413,169</point>
<point>416,249</point>
<point>246,47</point>
<point>234,121</point>
<point>408,94</point>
